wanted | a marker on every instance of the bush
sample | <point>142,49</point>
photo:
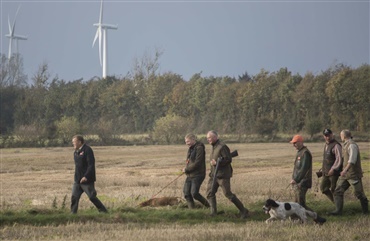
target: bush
<point>170,129</point>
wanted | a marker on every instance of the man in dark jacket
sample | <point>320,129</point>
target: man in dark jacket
<point>332,164</point>
<point>195,171</point>
<point>84,177</point>
<point>221,152</point>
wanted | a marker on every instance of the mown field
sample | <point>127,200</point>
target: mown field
<point>36,186</point>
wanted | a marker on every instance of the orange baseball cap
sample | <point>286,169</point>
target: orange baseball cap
<point>297,138</point>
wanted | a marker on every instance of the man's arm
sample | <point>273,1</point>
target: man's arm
<point>337,150</point>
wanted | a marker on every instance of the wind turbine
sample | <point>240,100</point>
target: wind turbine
<point>12,36</point>
<point>101,33</point>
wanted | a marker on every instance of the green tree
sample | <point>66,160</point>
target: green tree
<point>170,129</point>
<point>68,127</point>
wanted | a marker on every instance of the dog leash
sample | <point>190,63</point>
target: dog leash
<point>168,184</point>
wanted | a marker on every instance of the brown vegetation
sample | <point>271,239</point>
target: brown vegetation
<point>129,175</point>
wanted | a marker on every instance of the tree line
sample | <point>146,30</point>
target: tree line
<point>50,110</point>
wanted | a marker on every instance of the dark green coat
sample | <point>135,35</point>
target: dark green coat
<point>220,149</point>
<point>196,160</point>
<point>302,172</point>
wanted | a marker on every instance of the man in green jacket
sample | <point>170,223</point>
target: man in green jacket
<point>302,171</point>
<point>350,176</point>
<point>195,171</point>
<point>221,152</point>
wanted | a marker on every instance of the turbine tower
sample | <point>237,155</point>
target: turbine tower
<point>12,36</point>
<point>101,33</point>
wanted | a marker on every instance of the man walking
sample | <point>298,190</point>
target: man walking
<point>84,177</point>
<point>350,176</point>
<point>195,171</point>
<point>221,152</point>
<point>332,164</point>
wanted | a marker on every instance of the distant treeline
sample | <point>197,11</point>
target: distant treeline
<point>167,106</point>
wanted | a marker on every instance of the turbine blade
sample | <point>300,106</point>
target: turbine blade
<point>10,27</point>
<point>101,12</point>
<point>100,30</point>
<point>15,18</point>
<point>96,36</point>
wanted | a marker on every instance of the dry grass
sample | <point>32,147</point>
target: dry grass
<point>128,175</point>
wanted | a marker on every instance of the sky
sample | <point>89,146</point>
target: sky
<point>215,38</point>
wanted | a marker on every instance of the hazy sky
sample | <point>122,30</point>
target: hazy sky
<point>218,38</point>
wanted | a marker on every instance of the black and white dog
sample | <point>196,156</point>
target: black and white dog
<point>284,210</point>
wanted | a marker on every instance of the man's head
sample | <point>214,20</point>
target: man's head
<point>190,139</point>
<point>297,141</point>
<point>77,141</point>
<point>212,137</point>
<point>345,135</point>
<point>328,135</point>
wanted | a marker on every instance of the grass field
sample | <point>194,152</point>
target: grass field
<point>36,186</point>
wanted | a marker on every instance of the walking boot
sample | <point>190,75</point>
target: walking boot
<point>213,205</point>
<point>203,201</point>
<point>338,200</point>
<point>191,204</point>
<point>365,206</point>
<point>320,220</point>
<point>329,194</point>
<point>242,210</point>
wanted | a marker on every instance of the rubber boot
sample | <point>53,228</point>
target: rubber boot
<point>338,200</point>
<point>329,194</point>
<point>213,205</point>
<point>242,210</point>
<point>203,201</point>
<point>320,220</point>
<point>365,206</point>
<point>191,204</point>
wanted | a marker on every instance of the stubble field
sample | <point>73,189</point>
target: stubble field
<point>41,179</point>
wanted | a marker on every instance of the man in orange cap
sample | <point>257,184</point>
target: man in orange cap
<point>302,172</point>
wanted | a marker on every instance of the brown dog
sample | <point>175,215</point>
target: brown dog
<point>161,201</point>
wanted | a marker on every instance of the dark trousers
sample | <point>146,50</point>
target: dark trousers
<point>225,186</point>
<point>191,188</point>
<point>300,196</point>
<point>90,191</point>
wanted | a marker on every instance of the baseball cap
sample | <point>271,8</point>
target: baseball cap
<point>327,132</point>
<point>297,138</point>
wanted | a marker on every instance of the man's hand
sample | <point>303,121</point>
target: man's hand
<point>213,162</point>
<point>331,172</point>
<point>84,179</point>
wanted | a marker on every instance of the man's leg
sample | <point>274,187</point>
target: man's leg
<point>187,193</point>
<point>76,194</point>
<point>211,196</point>
<point>325,187</point>
<point>360,194</point>
<point>90,191</point>
<point>196,182</point>
<point>342,186</point>
<point>226,188</point>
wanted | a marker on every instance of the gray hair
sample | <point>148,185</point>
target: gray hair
<point>213,133</point>
<point>79,138</point>
<point>191,136</point>
<point>346,133</point>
